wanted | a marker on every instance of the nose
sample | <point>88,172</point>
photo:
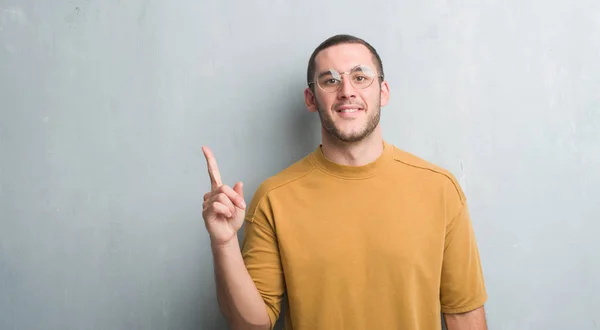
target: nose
<point>346,90</point>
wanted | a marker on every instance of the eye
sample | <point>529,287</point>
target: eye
<point>331,81</point>
<point>361,78</point>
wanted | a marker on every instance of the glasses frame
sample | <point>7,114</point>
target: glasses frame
<point>316,82</point>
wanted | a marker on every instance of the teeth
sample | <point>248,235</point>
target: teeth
<point>349,110</point>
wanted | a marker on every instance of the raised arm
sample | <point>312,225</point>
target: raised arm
<point>224,213</point>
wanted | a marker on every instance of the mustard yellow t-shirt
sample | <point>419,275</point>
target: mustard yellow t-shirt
<point>388,245</point>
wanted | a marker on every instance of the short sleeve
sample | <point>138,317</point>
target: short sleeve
<point>261,256</point>
<point>462,284</point>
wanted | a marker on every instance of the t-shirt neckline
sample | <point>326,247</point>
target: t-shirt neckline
<point>349,171</point>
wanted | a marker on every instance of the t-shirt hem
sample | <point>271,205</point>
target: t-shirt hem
<point>273,322</point>
<point>272,317</point>
<point>466,308</point>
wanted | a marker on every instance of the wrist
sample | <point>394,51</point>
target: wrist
<point>226,245</point>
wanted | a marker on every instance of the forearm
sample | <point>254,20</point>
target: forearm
<point>473,320</point>
<point>239,300</point>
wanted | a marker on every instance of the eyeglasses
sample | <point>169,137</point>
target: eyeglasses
<point>361,77</point>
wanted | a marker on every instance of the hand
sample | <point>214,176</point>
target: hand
<point>224,208</point>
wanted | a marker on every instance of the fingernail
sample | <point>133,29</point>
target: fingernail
<point>243,204</point>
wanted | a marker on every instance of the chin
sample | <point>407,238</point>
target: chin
<point>349,136</point>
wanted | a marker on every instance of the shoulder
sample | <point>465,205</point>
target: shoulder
<point>289,175</point>
<point>293,173</point>
<point>427,170</point>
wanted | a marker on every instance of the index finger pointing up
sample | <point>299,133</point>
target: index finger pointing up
<point>213,169</point>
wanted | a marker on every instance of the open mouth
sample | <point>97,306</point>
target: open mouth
<point>348,110</point>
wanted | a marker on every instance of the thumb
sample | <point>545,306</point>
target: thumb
<point>238,188</point>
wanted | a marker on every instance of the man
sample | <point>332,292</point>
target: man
<point>359,234</point>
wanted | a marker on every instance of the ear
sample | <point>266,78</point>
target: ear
<point>385,93</point>
<point>309,100</point>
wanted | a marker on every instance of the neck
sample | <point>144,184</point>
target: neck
<point>353,153</point>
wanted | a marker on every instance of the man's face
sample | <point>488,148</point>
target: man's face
<point>350,113</point>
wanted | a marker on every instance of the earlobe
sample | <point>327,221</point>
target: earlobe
<point>385,94</point>
<point>309,100</point>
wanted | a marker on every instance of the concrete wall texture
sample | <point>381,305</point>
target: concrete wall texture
<point>104,106</point>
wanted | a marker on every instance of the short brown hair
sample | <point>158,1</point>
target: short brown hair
<point>337,40</point>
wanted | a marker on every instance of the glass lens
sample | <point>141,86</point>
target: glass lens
<point>330,80</point>
<point>361,76</point>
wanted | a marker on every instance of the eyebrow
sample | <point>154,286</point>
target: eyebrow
<point>323,74</point>
<point>328,72</point>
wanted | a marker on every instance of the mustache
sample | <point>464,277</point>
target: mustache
<point>360,104</point>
